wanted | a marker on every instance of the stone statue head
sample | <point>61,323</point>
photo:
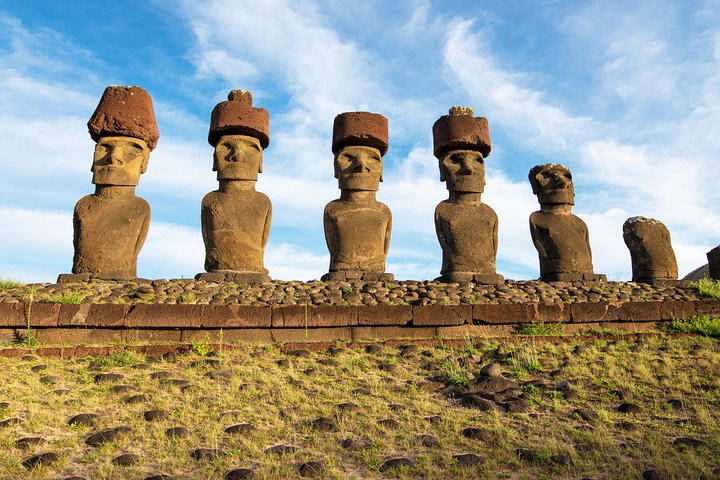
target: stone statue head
<point>119,160</point>
<point>552,183</point>
<point>239,132</point>
<point>237,157</point>
<point>461,143</point>
<point>124,129</point>
<point>360,139</point>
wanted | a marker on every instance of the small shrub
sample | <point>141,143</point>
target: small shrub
<point>9,284</point>
<point>707,287</point>
<point>703,324</point>
<point>201,347</point>
<point>539,328</point>
<point>26,339</point>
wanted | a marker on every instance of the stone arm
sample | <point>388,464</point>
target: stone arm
<point>440,230</point>
<point>536,239</point>
<point>266,227</point>
<point>495,237</point>
<point>388,229</point>
<point>204,224</point>
<point>76,238</point>
<point>143,234</point>
<point>329,227</point>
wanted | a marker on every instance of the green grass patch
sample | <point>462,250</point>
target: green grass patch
<point>707,287</point>
<point>704,325</point>
<point>9,284</point>
<point>539,328</point>
<point>123,359</point>
<point>69,298</point>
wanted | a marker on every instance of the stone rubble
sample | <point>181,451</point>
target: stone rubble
<point>356,292</point>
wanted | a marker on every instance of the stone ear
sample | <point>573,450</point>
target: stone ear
<point>335,166</point>
<point>260,166</point>
<point>146,157</point>
<point>442,172</point>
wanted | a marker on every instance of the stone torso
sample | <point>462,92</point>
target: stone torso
<point>357,235</point>
<point>235,229</point>
<point>468,237</point>
<point>562,243</point>
<point>108,235</point>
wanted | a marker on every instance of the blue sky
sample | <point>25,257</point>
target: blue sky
<point>626,95</point>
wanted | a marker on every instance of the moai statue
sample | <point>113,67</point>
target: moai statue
<point>653,259</point>
<point>110,225</point>
<point>713,257</point>
<point>236,218</point>
<point>560,237</point>
<point>357,226</point>
<point>466,228</point>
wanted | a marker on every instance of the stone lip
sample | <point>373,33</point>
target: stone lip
<point>451,132</point>
<point>239,117</point>
<point>360,129</point>
<point>126,112</point>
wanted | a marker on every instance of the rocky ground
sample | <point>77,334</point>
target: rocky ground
<point>342,293</point>
<point>623,408</point>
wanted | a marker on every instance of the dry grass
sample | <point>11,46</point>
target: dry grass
<point>281,399</point>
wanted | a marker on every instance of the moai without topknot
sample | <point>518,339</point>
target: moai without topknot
<point>561,238</point>
<point>236,218</point>
<point>467,229</point>
<point>357,226</point>
<point>652,255</point>
<point>110,225</point>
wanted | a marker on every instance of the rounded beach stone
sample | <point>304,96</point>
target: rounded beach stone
<point>392,463</point>
<point>239,474</point>
<point>240,428</point>
<point>311,469</point>
<point>201,454</point>
<point>177,432</point>
<point>126,459</point>
<point>84,419</point>
<point>46,458</point>
<point>153,415</point>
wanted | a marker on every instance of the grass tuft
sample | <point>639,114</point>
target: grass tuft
<point>703,324</point>
<point>707,287</point>
<point>69,298</point>
<point>123,359</point>
<point>539,328</point>
<point>9,284</point>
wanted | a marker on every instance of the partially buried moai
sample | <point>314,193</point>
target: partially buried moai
<point>652,255</point>
<point>467,229</point>
<point>110,225</point>
<point>561,238</point>
<point>357,226</point>
<point>236,218</point>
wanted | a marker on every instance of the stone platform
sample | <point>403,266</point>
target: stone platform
<point>115,312</point>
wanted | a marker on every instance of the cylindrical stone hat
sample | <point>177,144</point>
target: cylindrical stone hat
<point>126,112</point>
<point>360,128</point>
<point>461,130</point>
<point>237,116</point>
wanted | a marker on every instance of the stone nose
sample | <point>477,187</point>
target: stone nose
<point>466,165</point>
<point>116,156</point>
<point>237,156</point>
<point>361,165</point>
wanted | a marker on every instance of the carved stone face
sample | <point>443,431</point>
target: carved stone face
<point>553,184</point>
<point>119,160</point>
<point>463,170</point>
<point>359,168</point>
<point>237,157</point>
